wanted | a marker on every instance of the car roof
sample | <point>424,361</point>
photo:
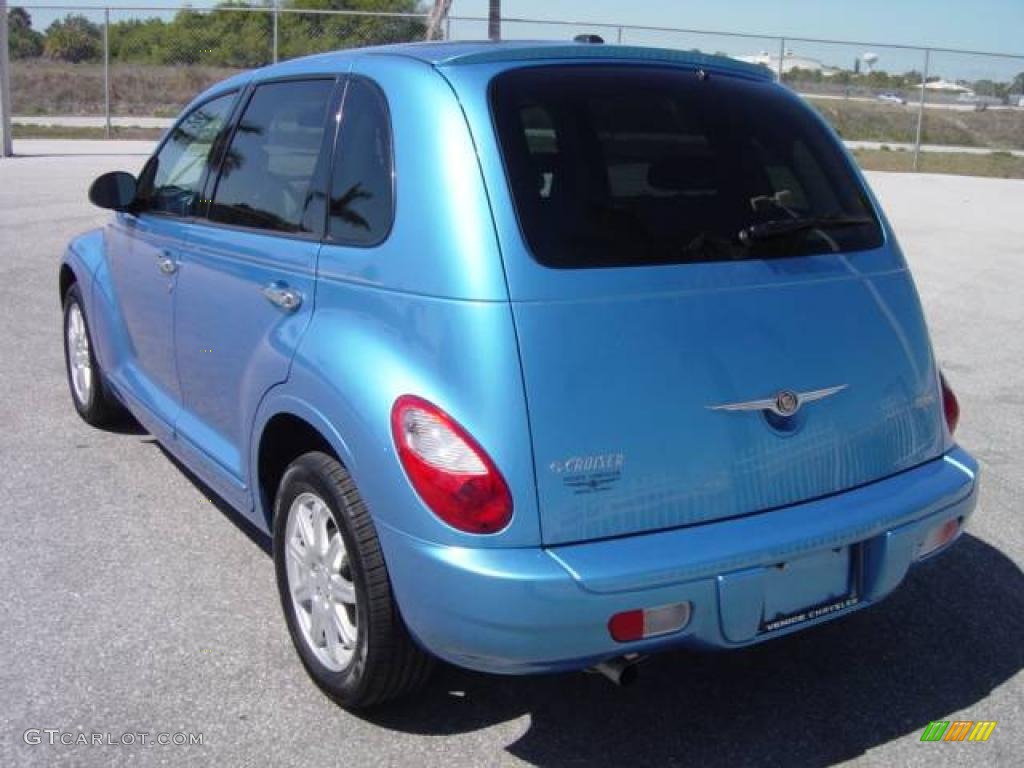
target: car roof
<point>450,54</point>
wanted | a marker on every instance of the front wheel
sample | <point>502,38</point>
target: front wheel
<point>335,589</point>
<point>93,401</point>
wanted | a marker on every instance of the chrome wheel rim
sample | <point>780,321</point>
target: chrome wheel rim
<point>320,585</point>
<point>79,361</point>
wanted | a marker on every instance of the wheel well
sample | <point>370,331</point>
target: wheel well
<point>67,279</point>
<point>284,439</point>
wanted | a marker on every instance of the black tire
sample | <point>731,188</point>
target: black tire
<point>99,408</point>
<point>386,662</point>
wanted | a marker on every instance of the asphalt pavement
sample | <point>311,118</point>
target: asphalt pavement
<point>135,603</point>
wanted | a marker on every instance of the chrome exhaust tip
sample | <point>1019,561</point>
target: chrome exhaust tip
<point>622,670</point>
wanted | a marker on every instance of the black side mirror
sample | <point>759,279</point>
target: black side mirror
<point>114,190</point>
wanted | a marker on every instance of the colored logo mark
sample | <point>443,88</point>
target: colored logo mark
<point>958,730</point>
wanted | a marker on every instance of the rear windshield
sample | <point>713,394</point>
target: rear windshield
<point>618,166</point>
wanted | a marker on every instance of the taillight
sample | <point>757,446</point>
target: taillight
<point>950,406</point>
<point>452,474</point>
<point>642,623</point>
<point>938,537</point>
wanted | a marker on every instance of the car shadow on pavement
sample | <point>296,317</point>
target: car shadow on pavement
<point>254,534</point>
<point>126,424</point>
<point>939,644</point>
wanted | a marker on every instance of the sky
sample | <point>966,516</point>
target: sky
<point>980,25</point>
<point>983,25</point>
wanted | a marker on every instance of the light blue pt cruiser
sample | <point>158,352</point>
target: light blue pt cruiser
<point>529,357</point>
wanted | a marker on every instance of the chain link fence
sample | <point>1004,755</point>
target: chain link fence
<point>126,71</point>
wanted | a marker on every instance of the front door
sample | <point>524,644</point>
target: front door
<point>144,268</point>
<point>245,289</point>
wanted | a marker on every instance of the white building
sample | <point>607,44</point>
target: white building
<point>790,61</point>
<point>947,86</point>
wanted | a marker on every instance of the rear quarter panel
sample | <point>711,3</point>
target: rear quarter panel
<point>426,312</point>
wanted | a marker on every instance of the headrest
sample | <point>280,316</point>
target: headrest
<point>678,174</point>
<point>310,116</point>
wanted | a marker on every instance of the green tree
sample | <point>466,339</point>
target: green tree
<point>73,38</point>
<point>990,88</point>
<point>231,38</point>
<point>23,41</point>
<point>302,34</point>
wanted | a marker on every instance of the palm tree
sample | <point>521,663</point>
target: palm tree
<point>494,20</point>
<point>438,13</point>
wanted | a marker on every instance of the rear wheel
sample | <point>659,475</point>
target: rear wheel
<point>89,392</point>
<point>335,589</point>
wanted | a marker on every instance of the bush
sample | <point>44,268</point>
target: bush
<point>23,42</point>
<point>225,38</point>
<point>73,38</point>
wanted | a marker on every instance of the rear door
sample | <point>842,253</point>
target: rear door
<point>246,284</point>
<point>711,321</point>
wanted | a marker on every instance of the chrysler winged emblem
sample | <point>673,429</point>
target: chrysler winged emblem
<point>785,403</point>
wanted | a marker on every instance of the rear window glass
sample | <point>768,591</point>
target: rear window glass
<point>618,166</point>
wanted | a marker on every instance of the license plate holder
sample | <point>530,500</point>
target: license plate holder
<point>811,586</point>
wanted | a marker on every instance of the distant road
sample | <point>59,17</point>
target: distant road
<point>932,147</point>
<point>90,121</point>
<point>911,103</point>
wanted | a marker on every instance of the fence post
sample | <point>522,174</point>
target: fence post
<point>920,109</point>
<point>447,27</point>
<point>106,67</point>
<point>618,37</point>
<point>277,13</point>
<point>782,55</point>
<point>6,148</point>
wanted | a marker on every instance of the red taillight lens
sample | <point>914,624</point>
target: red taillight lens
<point>950,406</point>
<point>452,474</point>
<point>626,626</point>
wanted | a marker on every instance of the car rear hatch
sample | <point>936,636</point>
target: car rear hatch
<point>711,319</point>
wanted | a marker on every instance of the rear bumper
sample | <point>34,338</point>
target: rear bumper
<point>531,610</point>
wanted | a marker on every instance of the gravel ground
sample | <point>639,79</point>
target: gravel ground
<point>135,604</point>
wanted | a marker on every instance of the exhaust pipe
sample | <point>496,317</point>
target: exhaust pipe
<point>621,670</point>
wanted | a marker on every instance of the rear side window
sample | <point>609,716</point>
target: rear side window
<point>362,194</point>
<point>267,170</point>
<point>620,166</point>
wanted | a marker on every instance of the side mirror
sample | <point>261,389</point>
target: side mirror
<point>114,190</point>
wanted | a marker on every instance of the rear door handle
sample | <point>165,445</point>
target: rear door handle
<point>166,263</point>
<point>280,295</point>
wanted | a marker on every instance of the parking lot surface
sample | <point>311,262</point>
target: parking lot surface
<point>133,602</point>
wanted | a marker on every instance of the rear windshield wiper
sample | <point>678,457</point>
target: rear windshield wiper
<point>780,227</point>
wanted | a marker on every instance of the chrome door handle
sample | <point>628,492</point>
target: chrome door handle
<point>282,296</point>
<point>167,265</point>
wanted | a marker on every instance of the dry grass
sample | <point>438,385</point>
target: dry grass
<point>869,121</point>
<point>76,132</point>
<point>42,87</point>
<point>1001,165</point>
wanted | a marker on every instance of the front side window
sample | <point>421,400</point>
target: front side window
<point>172,179</point>
<point>267,170</point>
<point>623,166</point>
<point>361,203</point>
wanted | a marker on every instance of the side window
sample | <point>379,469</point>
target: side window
<point>170,182</point>
<point>266,174</point>
<point>362,204</point>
